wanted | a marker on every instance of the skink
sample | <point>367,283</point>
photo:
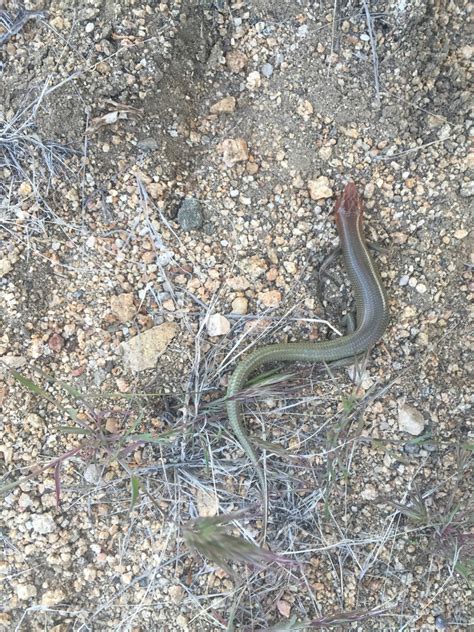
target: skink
<point>371,313</point>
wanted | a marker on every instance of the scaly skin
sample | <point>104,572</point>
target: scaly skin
<point>372,319</point>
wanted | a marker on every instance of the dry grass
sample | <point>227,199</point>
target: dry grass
<point>30,165</point>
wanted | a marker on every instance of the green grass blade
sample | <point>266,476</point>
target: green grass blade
<point>135,491</point>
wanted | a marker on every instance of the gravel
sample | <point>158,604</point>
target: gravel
<point>257,113</point>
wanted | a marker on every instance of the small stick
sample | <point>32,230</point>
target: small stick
<point>373,45</point>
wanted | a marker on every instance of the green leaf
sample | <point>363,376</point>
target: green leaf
<point>4,489</point>
<point>151,438</point>
<point>74,430</point>
<point>420,439</point>
<point>467,572</point>
<point>135,489</point>
<point>348,404</point>
<point>37,390</point>
<point>71,390</point>
<point>31,386</point>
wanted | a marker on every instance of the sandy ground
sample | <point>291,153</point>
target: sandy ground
<point>168,172</point>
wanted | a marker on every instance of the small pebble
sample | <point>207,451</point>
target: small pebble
<point>52,597</point>
<point>421,288</point>
<point>190,214</point>
<point>305,109</point>
<point>240,305</point>
<point>218,325</point>
<point>319,189</point>
<point>224,106</point>
<point>267,70</point>
<point>123,306</point>
<point>467,189</point>
<point>271,298</point>
<point>143,350</point>
<point>236,61</point>
<point>43,523</point>
<point>148,144</point>
<point>302,31</point>
<point>5,267</point>
<point>410,420</point>
<point>26,591</point>
<point>254,80</point>
<point>56,343</point>
<point>234,150</point>
<point>325,152</point>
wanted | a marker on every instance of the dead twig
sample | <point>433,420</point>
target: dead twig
<point>373,46</point>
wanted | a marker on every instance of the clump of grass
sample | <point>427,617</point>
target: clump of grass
<point>95,441</point>
<point>29,166</point>
<point>207,536</point>
<point>333,620</point>
<point>450,527</point>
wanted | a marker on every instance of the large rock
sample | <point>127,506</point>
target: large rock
<point>142,351</point>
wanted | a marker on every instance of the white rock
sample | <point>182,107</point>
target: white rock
<point>141,352</point>
<point>14,361</point>
<point>92,473</point>
<point>5,267</point>
<point>410,420</point>
<point>53,597</point>
<point>267,70</point>
<point>240,305</point>
<point>369,493</point>
<point>445,132</point>
<point>254,80</point>
<point>325,152</point>
<point>32,420</point>
<point>319,189</point>
<point>421,288</point>
<point>467,189</point>
<point>460,233</point>
<point>43,523</point>
<point>25,591</point>
<point>302,31</point>
<point>369,190</point>
<point>24,501</point>
<point>305,109</point>
<point>363,379</point>
<point>218,325</point>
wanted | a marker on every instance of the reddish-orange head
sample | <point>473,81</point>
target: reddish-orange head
<point>349,204</point>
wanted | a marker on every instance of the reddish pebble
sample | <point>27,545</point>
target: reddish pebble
<point>56,343</point>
